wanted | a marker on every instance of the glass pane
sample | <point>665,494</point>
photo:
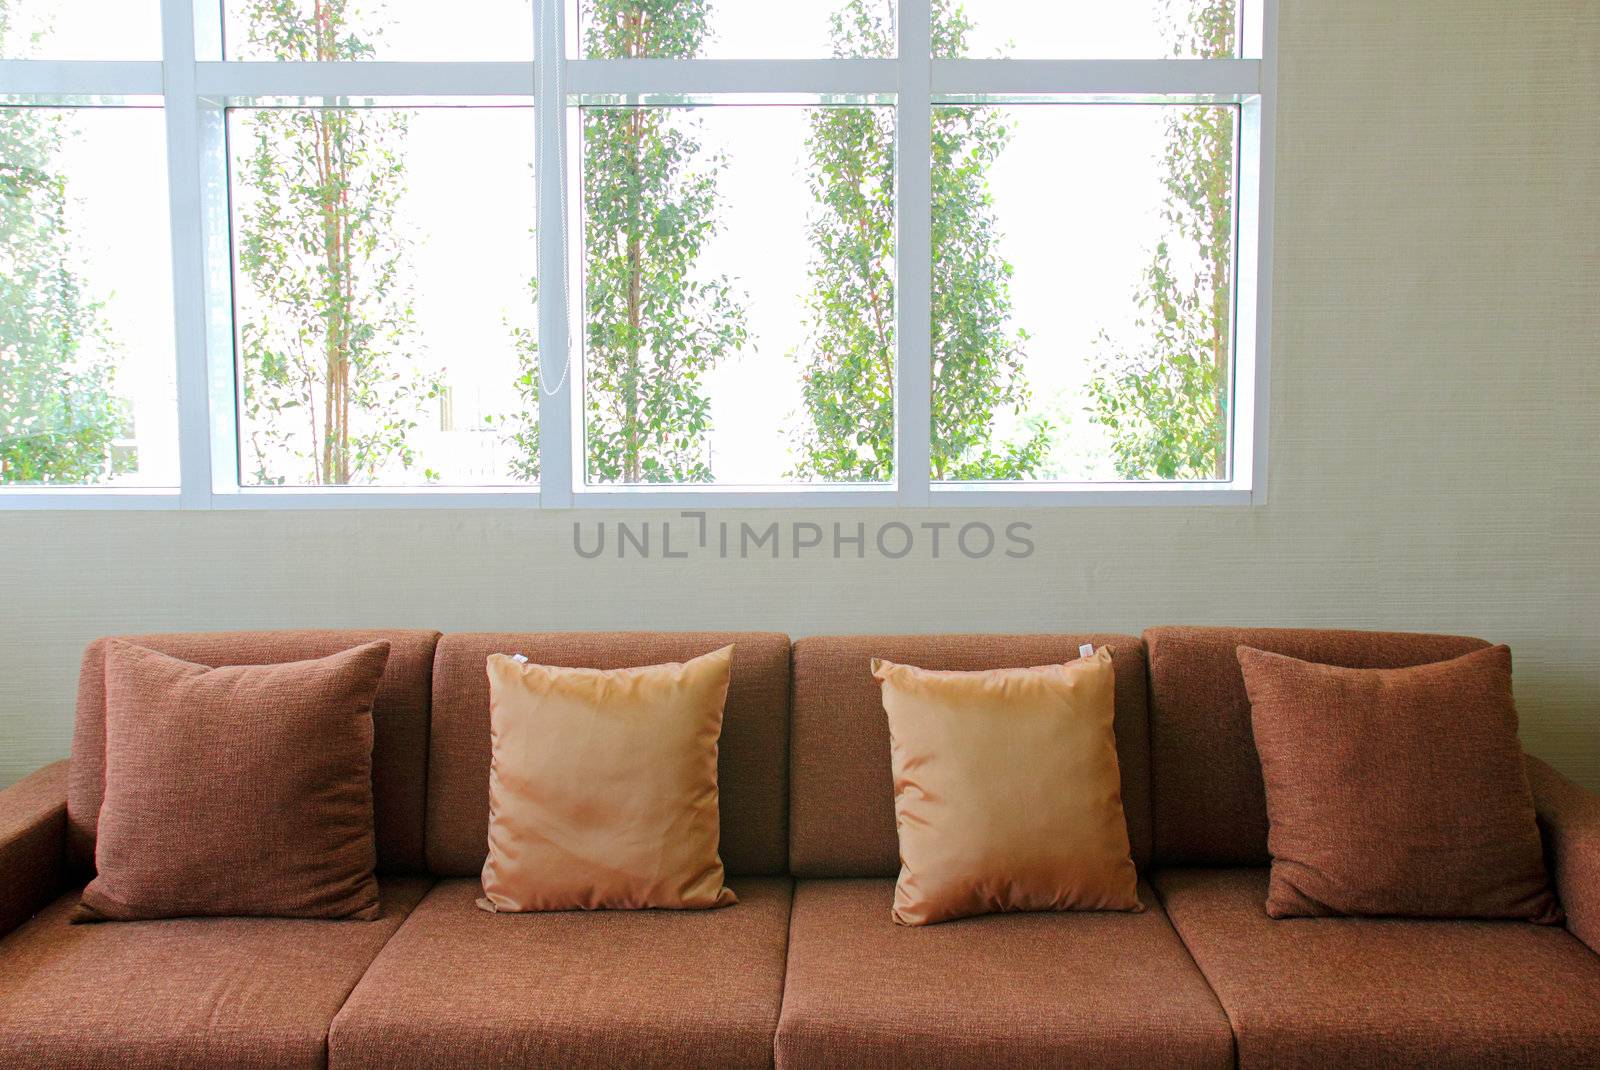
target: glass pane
<point>328,30</point>
<point>80,29</point>
<point>384,260</point>
<point>731,29</point>
<point>1082,305</point>
<point>87,364</point>
<point>738,294</point>
<point>1087,29</point>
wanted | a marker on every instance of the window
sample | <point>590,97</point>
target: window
<point>1094,29</point>
<point>595,252</point>
<point>1129,378</point>
<point>87,395</point>
<point>384,295</point>
<point>738,306</point>
<point>384,30</point>
<point>733,29</point>
<point>82,29</point>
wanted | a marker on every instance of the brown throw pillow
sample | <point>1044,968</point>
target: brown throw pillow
<point>603,786</point>
<point>244,790</point>
<point>1007,793</point>
<point>1396,791</point>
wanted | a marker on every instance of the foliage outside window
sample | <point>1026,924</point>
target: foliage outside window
<point>80,356</point>
<point>341,383</point>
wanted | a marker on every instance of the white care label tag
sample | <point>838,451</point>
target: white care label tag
<point>520,659</point>
<point>1086,650</point>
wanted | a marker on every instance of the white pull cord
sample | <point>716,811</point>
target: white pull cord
<point>549,29</point>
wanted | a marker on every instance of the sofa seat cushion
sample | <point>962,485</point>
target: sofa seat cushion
<point>1385,992</point>
<point>458,986</point>
<point>191,992</point>
<point>1019,990</point>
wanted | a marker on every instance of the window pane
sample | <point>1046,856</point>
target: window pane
<point>378,29</point>
<point>738,294</point>
<point>384,260</point>
<point>731,29</point>
<point>87,367</point>
<point>1089,29</point>
<point>1083,265</point>
<point>80,29</point>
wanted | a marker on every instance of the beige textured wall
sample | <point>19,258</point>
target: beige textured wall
<point>1436,420</point>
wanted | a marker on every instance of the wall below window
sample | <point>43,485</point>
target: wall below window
<point>1436,421</point>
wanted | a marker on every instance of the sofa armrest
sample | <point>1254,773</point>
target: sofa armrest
<point>33,833</point>
<point>1569,818</point>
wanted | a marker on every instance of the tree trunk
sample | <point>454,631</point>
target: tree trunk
<point>335,464</point>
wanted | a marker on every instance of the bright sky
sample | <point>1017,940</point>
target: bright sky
<point>117,216</point>
<point>1075,195</point>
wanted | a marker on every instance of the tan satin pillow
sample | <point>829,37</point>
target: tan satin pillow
<point>1007,791</point>
<point>603,786</point>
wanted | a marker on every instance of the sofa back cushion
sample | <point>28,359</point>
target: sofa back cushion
<point>399,717</point>
<point>752,755</point>
<point>1210,803</point>
<point>842,788</point>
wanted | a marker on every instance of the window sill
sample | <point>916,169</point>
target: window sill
<point>951,495</point>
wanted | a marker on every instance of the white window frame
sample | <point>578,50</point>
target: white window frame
<point>195,87</point>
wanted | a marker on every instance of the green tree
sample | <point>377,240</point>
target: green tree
<point>59,413</point>
<point>330,327</point>
<point>847,432</point>
<point>520,427</point>
<point>1165,403</point>
<point>654,327</point>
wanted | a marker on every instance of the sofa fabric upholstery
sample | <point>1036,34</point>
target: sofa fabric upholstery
<point>197,993</point>
<point>842,805</point>
<point>1100,989</point>
<point>752,763</point>
<point>33,826</point>
<point>813,974</point>
<point>1569,818</point>
<point>1209,802</point>
<point>1385,993</point>
<point>399,718</point>
<point>577,989</point>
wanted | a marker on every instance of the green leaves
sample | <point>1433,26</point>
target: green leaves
<point>848,359</point>
<point>1166,403</point>
<point>60,415</point>
<point>653,324</point>
<point>333,374</point>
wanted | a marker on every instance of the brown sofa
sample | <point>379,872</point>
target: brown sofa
<point>807,969</point>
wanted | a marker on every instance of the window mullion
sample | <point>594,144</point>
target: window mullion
<point>913,254</point>
<point>555,349</point>
<point>185,194</point>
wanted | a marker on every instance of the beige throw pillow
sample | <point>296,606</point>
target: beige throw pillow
<point>1007,790</point>
<point>603,786</point>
